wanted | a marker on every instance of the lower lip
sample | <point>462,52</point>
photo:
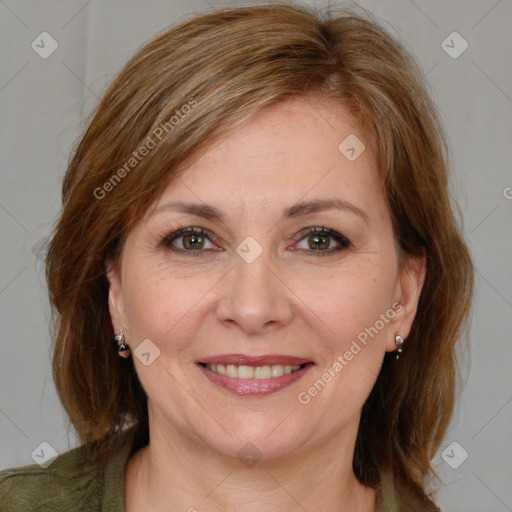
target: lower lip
<point>258,387</point>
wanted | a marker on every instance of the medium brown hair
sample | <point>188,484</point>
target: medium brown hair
<point>227,65</point>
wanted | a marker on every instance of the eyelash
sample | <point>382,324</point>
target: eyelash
<point>342,240</point>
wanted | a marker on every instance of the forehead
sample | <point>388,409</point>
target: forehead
<point>302,148</point>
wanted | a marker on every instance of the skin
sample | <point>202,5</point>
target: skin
<point>288,301</point>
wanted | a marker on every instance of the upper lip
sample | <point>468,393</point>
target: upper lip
<point>247,360</point>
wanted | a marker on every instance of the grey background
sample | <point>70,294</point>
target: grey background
<point>44,104</point>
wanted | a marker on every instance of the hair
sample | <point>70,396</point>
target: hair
<point>183,90</point>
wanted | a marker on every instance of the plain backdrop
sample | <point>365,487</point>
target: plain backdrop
<point>44,102</point>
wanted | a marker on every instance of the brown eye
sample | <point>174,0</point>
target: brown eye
<point>193,241</point>
<point>319,240</point>
<point>316,242</point>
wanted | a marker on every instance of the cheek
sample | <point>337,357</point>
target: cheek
<point>159,305</point>
<point>349,302</point>
<point>356,308</point>
<point>359,314</point>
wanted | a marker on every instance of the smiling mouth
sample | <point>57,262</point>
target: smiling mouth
<point>253,372</point>
<point>252,380</point>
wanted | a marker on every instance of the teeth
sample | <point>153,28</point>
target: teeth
<point>262,372</point>
<point>252,372</point>
<point>277,370</point>
<point>231,370</point>
<point>245,372</point>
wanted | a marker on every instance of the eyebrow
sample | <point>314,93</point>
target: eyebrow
<point>298,210</point>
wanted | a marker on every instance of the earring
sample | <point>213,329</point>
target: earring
<point>399,341</point>
<point>122,348</point>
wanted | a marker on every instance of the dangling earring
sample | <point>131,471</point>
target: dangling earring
<point>399,341</point>
<point>122,348</point>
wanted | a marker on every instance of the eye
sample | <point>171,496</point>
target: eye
<point>319,241</point>
<point>191,240</point>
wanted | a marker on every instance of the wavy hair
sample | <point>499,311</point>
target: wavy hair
<point>225,66</point>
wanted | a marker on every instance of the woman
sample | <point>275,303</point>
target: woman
<point>258,218</point>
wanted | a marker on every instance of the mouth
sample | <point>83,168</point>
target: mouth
<point>253,372</point>
<point>254,375</point>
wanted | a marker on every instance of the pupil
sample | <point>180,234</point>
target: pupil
<point>320,239</point>
<point>192,241</point>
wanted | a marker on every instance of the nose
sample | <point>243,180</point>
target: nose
<point>255,298</point>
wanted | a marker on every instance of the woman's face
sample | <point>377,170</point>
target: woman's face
<point>256,281</point>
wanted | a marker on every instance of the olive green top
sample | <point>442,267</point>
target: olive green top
<point>71,483</point>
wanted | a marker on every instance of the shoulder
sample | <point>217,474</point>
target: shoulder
<point>71,479</point>
<point>74,481</point>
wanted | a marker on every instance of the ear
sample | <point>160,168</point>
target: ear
<point>115,296</point>
<point>407,296</point>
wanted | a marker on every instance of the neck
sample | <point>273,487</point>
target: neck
<point>177,473</point>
